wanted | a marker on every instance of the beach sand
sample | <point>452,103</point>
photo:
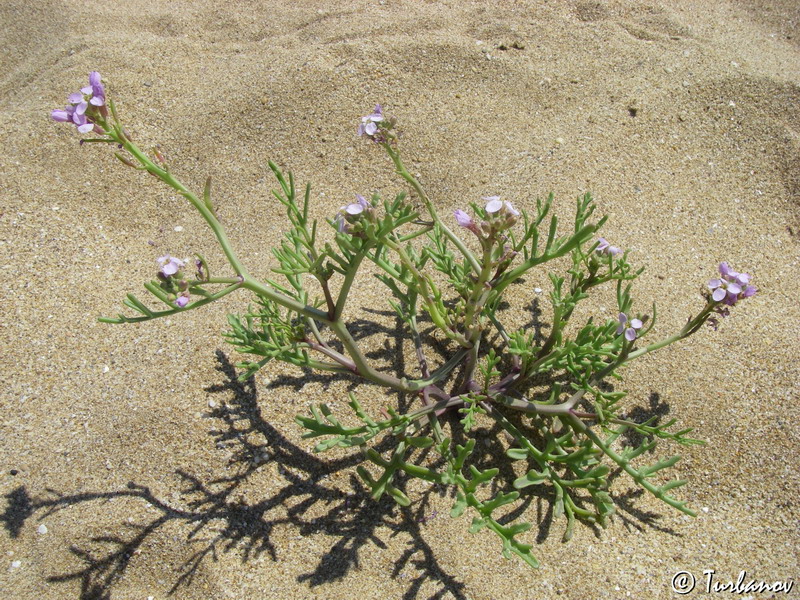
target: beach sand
<point>134,466</point>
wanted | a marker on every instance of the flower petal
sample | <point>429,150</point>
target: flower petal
<point>354,209</point>
<point>463,219</point>
<point>623,318</point>
<point>60,115</point>
<point>493,205</point>
<point>510,209</point>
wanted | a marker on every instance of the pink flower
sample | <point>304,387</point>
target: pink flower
<point>369,124</point>
<point>731,287</point>
<point>351,213</point>
<point>495,206</point>
<point>630,328</point>
<point>170,265</point>
<point>603,247</point>
<point>84,106</point>
<point>465,221</point>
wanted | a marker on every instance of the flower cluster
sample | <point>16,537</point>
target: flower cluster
<point>172,280</point>
<point>84,106</point>
<point>499,208</point>
<point>377,126</point>
<point>500,215</point>
<point>350,215</point>
<point>731,287</point>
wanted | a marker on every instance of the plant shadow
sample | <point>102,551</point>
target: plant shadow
<point>219,518</point>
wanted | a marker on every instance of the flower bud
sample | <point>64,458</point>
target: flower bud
<point>465,221</point>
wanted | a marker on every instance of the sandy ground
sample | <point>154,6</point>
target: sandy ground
<point>156,475</point>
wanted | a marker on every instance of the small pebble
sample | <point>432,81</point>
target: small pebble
<point>16,564</point>
<point>212,404</point>
<point>179,228</point>
<point>537,290</point>
<point>42,529</point>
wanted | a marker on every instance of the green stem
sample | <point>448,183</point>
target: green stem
<point>348,283</point>
<point>165,313</point>
<point>691,327</point>
<point>286,301</point>
<point>363,368</point>
<point>477,297</point>
<point>423,285</point>
<point>403,172</point>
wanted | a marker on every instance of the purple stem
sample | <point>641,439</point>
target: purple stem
<point>331,353</point>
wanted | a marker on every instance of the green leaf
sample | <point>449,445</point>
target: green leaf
<point>477,525</point>
<point>397,495</point>
<point>532,477</point>
<point>328,444</point>
<point>420,442</point>
<point>517,453</point>
<point>662,464</point>
<point>459,506</point>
